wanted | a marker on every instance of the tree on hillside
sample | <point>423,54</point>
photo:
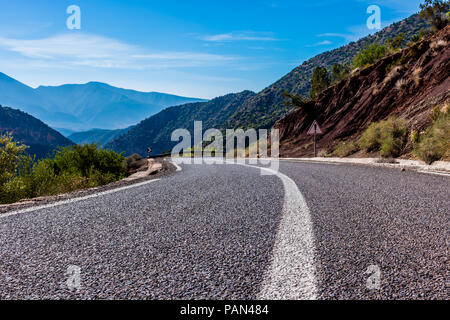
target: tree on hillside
<point>339,72</point>
<point>319,82</point>
<point>299,103</point>
<point>370,55</point>
<point>436,12</point>
<point>396,43</point>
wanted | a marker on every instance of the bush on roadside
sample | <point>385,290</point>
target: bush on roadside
<point>345,149</point>
<point>14,162</point>
<point>389,137</point>
<point>323,154</point>
<point>72,168</point>
<point>434,144</point>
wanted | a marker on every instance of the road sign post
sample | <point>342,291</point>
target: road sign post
<point>314,131</point>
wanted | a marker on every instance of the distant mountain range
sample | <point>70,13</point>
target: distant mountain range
<point>249,110</point>
<point>98,105</point>
<point>98,136</point>
<point>40,138</point>
<point>87,106</point>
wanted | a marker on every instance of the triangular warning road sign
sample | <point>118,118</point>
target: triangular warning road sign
<point>315,129</point>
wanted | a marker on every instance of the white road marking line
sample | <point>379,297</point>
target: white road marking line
<point>177,166</point>
<point>69,201</point>
<point>435,173</point>
<point>292,273</point>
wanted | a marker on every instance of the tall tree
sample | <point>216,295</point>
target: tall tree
<point>435,11</point>
<point>319,82</point>
<point>339,72</point>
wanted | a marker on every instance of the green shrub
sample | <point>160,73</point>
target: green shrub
<point>87,159</point>
<point>396,43</point>
<point>14,163</point>
<point>370,55</point>
<point>414,136</point>
<point>345,149</point>
<point>340,72</point>
<point>323,154</point>
<point>388,137</point>
<point>434,144</point>
<point>72,168</point>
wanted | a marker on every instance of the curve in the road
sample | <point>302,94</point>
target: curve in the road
<point>291,274</point>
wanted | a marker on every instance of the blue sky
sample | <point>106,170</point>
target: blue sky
<point>191,48</point>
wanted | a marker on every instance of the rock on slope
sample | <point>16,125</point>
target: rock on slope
<point>418,81</point>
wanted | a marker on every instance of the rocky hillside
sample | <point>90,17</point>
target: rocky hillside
<point>157,130</point>
<point>32,132</point>
<point>267,107</point>
<point>406,85</point>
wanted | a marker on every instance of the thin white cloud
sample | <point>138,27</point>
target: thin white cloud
<point>184,56</point>
<point>102,52</point>
<point>321,43</point>
<point>349,37</point>
<point>357,32</point>
<point>68,45</point>
<point>232,36</point>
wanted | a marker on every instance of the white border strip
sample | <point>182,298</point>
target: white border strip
<point>292,273</point>
<point>69,201</point>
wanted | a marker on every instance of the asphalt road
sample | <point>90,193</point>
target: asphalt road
<point>227,232</point>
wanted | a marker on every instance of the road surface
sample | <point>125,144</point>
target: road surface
<point>312,231</point>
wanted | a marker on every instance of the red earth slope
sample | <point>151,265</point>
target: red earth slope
<point>406,85</point>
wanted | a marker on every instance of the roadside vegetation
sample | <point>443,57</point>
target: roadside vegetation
<point>388,137</point>
<point>72,168</point>
<point>434,144</point>
<point>345,149</point>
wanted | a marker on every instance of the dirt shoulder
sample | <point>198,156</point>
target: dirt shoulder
<point>156,170</point>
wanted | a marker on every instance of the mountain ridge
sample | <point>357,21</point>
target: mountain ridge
<point>81,107</point>
<point>28,130</point>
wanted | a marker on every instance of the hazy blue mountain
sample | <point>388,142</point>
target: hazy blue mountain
<point>40,138</point>
<point>98,136</point>
<point>99,105</point>
<point>86,106</point>
<point>65,132</point>
<point>18,95</point>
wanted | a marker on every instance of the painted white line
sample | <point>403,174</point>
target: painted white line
<point>292,273</point>
<point>69,201</point>
<point>177,166</point>
<point>435,173</point>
